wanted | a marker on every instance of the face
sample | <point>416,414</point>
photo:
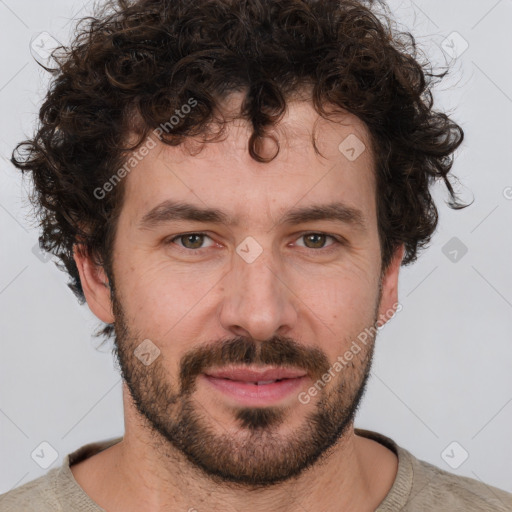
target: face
<point>222,266</point>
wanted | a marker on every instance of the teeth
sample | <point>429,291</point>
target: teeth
<point>265,382</point>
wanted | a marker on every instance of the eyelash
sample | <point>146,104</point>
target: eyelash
<point>336,239</point>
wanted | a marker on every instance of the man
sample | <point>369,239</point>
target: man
<point>233,187</point>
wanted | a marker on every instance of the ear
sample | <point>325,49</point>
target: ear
<point>389,299</point>
<point>94,284</point>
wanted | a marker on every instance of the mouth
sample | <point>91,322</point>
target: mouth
<point>251,386</point>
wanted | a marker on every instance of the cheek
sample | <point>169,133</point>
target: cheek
<point>170,302</point>
<point>159,300</point>
<point>349,289</point>
<point>339,308</point>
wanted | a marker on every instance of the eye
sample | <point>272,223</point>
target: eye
<point>195,241</point>
<point>317,240</point>
<point>190,240</point>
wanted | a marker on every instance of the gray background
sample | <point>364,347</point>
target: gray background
<point>442,370</point>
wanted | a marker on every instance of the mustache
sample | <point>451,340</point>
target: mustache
<point>277,351</point>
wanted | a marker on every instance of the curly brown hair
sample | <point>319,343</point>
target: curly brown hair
<point>135,63</point>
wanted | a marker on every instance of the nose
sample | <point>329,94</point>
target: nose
<point>257,301</point>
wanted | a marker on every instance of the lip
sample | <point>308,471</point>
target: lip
<point>244,374</point>
<point>239,384</point>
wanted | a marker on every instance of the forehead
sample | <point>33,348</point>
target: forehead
<point>223,175</point>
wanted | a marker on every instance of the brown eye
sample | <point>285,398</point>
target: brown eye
<point>315,240</point>
<point>190,240</point>
<point>193,241</point>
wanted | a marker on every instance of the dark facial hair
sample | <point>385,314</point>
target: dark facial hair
<point>258,457</point>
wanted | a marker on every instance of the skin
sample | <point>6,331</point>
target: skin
<point>313,295</point>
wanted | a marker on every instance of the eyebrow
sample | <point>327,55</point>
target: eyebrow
<point>170,210</point>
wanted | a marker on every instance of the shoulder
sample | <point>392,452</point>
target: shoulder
<point>436,489</point>
<point>35,496</point>
<point>57,490</point>
<point>419,485</point>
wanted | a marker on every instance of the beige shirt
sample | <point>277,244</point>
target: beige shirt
<point>418,486</point>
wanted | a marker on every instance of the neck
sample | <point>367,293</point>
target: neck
<point>145,472</point>
<point>163,480</point>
